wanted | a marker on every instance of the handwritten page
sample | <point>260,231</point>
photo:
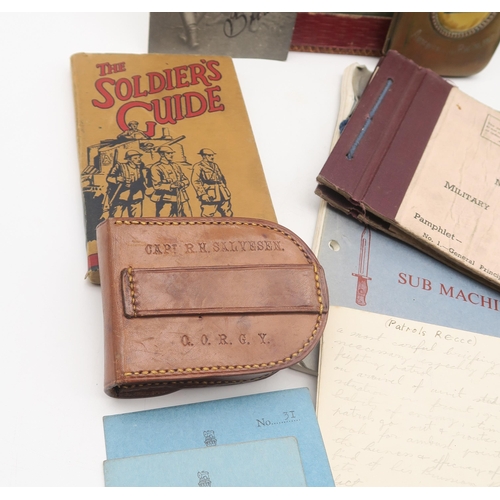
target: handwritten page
<point>405,403</point>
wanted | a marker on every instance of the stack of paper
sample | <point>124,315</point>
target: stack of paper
<point>269,439</point>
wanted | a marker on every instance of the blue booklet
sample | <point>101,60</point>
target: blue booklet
<point>367,270</point>
<point>226,421</point>
<point>370,271</point>
<point>270,462</point>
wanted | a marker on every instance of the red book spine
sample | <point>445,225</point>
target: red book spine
<point>340,33</point>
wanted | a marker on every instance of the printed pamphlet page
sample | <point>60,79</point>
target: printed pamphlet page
<point>453,200</point>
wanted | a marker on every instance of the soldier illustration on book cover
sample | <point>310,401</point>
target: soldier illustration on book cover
<point>163,136</point>
<point>135,175</point>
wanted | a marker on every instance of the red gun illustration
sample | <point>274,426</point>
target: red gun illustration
<point>364,260</point>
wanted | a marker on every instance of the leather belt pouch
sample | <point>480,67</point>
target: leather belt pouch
<point>195,302</point>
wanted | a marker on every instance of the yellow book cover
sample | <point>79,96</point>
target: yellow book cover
<point>164,136</point>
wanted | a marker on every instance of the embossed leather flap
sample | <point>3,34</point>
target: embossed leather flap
<point>201,301</point>
<point>216,290</point>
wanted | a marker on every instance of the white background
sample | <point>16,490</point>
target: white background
<point>51,354</point>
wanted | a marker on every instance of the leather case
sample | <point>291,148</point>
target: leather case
<point>452,44</point>
<point>195,302</point>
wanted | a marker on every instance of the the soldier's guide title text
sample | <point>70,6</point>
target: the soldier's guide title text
<point>170,108</point>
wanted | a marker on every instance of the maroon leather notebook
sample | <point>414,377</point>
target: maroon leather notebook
<point>417,160</point>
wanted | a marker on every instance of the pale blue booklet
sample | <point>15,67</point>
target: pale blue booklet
<point>255,417</point>
<point>368,270</point>
<point>267,463</point>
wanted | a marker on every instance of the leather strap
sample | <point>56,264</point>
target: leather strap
<point>216,290</point>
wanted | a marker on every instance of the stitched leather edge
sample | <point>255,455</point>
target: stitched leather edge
<point>183,384</point>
